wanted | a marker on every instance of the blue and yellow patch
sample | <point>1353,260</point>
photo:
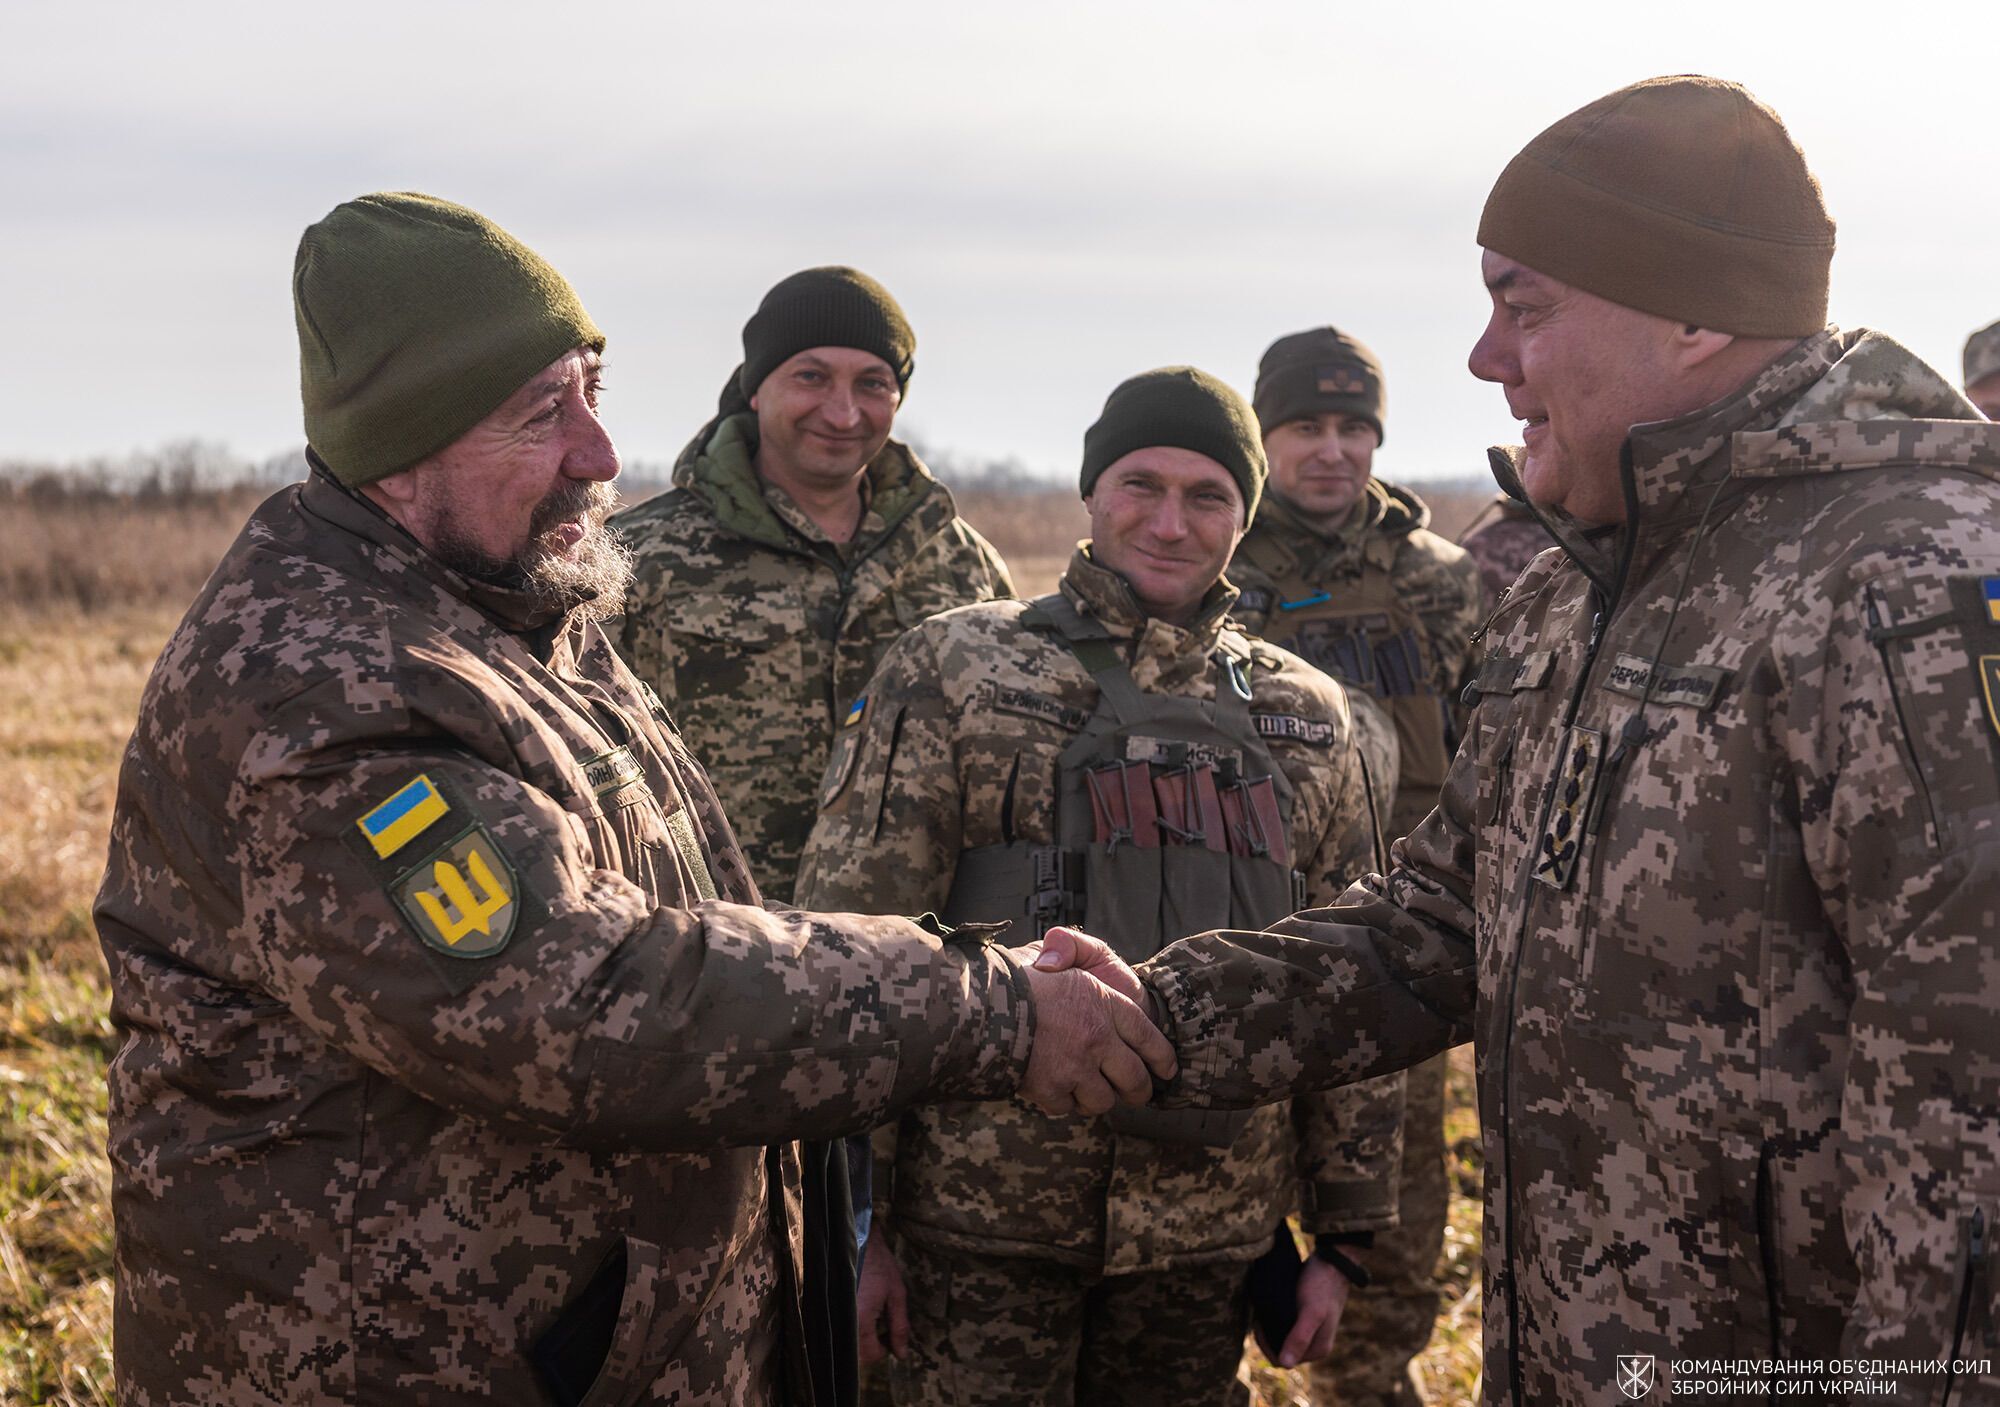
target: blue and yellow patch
<point>1989,588</point>
<point>403,817</point>
<point>857,712</point>
<point>1989,687</point>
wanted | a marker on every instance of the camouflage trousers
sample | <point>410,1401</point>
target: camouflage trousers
<point>1387,1323</point>
<point>1007,1331</point>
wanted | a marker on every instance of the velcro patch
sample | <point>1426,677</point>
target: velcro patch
<point>403,817</point>
<point>1163,752</point>
<point>1512,674</point>
<point>612,771</point>
<point>1693,684</point>
<point>1284,725</point>
<point>1024,704</point>
<point>681,827</point>
<point>465,899</point>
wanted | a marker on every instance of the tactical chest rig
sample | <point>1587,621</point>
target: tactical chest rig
<point>1171,819</point>
<point>1368,636</point>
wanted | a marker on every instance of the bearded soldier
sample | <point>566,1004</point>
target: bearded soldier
<point>798,542</point>
<point>1115,752</point>
<point>1341,568</point>
<point>460,1061</point>
<point>1713,877</point>
<point>1982,370</point>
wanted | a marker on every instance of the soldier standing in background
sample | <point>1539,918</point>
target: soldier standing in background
<point>1503,539</point>
<point>1117,754</point>
<point>1340,568</point>
<point>451,1023</point>
<point>799,540</point>
<point>1716,874</point>
<point>1982,370</point>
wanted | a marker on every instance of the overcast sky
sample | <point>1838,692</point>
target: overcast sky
<point>1059,194</point>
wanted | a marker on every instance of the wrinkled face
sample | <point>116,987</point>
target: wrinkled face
<point>823,415</point>
<point>1579,372</point>
<point>1985,393</point>
<point>1321,463</point>
<point>1166,520</point>
<point>520,499</point>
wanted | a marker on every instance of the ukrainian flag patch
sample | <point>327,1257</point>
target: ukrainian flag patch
<point>403,817</point>
<point>1990,589</point>
<point>859,710</point>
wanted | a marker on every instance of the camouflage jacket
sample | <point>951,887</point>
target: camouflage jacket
<point>1503,539</point>
<point>964,726</point>
<point>759,631</point>
<point>1384,605</point>
<point>1721,859</point>
<point>441,982</point>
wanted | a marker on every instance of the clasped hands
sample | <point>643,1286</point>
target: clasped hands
<point>1095,1043</point>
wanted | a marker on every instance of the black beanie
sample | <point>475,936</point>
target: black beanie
<point>1182,408</point>
<point>833,306</point>
<point>1322,371</point>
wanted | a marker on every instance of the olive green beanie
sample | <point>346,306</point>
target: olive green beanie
<point>417,319</point>
<point>1182,408</point>
<point>833,306</point>
<point>1321,371</point>
<point>1683,197</point>
<point>1982,354</point>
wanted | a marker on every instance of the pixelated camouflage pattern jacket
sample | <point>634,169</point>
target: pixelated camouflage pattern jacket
<point>1417,599</point>
<point>425,1014</point>
<point>759,631</point>
<point>1503,539</point>
<point>962,704</point>
<point>1738,990</point>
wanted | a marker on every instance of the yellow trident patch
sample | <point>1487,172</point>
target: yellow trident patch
<point>1989,687</point>
<point>464,899</point>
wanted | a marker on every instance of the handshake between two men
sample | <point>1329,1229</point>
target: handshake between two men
<point>1096,1041</point>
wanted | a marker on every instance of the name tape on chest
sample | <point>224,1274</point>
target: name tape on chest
<point>1165,752</point>
<point>1318,732</point>
<point>1692,685</point>
<point>612,771</point>
<point>1023,703</point>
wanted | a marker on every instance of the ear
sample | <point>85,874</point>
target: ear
<point>1698,346</point>
<point>398,489</point>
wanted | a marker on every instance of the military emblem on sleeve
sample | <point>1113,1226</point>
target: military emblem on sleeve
<point>463,900</point>
<point>403,817</point>
<point>1989,688</point>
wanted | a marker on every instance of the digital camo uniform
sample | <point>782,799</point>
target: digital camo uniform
<point>1502,540</point>
<point>1389,607</point>
<point>759,631</point>
<point>1718,859</point>
<point>442,985</point>
<point>960,748</point>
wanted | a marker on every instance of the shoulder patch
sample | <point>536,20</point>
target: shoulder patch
<point>464,899</point>
<point>856,711</point>
<point>1989,591</point>
<point>1023,703</point>
<point>1989,687</point>
<point>403,817</point>
<point>1318,732</point>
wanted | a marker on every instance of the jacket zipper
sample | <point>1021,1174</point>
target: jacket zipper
<point>1975,1258</point>
<point>1767,1246</point>
<point>1878,632</point>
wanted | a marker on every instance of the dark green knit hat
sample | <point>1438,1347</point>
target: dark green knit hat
<point>833,306</point>
<point>417,318</point>
<point>1322,371</point>
<point>1182,408</point>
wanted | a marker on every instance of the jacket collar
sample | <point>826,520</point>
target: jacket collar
<point>1098,592</point>
<point>1384,515</point>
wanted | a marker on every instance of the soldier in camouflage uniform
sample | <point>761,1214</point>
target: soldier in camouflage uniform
<point>458,1055</point>
<point>1714,878</point>
<point>1982,370</point>
<point>1080,1260</point>
<point>1341,568</point>
<point>1503,539</point>
<point>797,543</point>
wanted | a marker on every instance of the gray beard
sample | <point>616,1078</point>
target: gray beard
<point>592,576</point>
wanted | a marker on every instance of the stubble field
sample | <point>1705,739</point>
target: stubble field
<point>91,585</point>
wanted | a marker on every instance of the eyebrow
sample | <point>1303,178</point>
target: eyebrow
<point>1500,282</point>
<point>563,380</point>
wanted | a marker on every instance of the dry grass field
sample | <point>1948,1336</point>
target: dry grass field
<point>90,587</point>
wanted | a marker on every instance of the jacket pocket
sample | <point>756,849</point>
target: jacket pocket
<point>599,1351</point>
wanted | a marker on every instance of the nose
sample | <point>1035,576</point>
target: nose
<point>840,409</point>
<point>1169,519</point>
<point>591,453</point>
<point>1493,356</point>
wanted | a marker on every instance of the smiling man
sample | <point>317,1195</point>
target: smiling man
<point>1116,754</point>
<point>798,542</point>
<point>1715,875</point>
<point>459,1060</point>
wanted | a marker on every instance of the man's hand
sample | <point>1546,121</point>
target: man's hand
<point>1322,1297</point>
<point>1093,1045</point>
<point>880,1288</point>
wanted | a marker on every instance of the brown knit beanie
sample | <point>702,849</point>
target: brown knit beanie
<point>1181,408</point>
<point>833,306</point>
<point>417,318</point>
<point>1684,197</point>
<point>1319,372</point>
<point>1982,354</point>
